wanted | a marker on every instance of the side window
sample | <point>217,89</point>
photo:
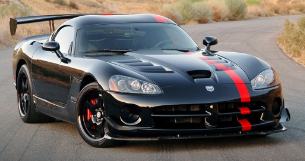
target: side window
<point>65,38</point>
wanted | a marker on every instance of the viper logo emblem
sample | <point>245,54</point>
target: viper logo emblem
<point>210,88</point>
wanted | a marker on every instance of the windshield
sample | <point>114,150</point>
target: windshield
<point>131,37</point>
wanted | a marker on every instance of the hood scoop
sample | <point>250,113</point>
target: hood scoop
<point>143,66</point>
<point>199,74</point>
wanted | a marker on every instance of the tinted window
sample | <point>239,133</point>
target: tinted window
<point>137,36</point>
<point>65,37</point>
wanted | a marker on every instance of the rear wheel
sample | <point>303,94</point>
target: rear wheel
<point>90,122</point>
<point>26,106</point>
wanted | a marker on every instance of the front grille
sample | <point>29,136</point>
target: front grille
<point>180,116</point>
<point>205,115</point>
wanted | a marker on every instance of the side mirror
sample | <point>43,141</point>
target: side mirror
<point>51,46</point>
<point>54,46</point>
<point>208,41</point>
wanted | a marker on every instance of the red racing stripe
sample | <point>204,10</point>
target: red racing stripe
<point>221,66</point>
<point>211,61</point>
<point>244,110</point>
<point>246,126</point>
<point>159,18</point>
<point>106,14</point>
<point>241,86</point>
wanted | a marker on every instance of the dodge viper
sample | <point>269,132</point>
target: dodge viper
<point>141,77</point>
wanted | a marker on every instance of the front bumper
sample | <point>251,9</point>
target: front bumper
<point>262,118</point>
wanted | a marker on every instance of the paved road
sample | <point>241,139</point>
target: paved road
<point>61,141</point>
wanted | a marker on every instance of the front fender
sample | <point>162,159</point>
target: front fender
<point>250,64</point>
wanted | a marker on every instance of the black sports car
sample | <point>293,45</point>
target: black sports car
<point>141,77</point>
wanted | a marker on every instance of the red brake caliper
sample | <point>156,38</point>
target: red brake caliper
<point>89,114</point>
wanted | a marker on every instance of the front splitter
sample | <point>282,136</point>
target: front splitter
<point>277,129</point>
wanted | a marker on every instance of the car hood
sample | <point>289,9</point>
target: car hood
<point>169,68</point>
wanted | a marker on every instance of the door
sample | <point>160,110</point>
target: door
<point>49,91</point>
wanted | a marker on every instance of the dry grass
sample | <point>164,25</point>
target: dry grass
<point>268,8</point>
<point>203,11</point>
<point>20,8</point>
<point>73,5</point>
<point>221,11</point>
<point>291,40</point>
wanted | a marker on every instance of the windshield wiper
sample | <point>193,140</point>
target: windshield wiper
<point>183,50</point>
<point>109,50</point>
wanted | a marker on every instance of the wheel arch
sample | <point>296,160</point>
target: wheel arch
<point>19,65</point>
<point>87,79</point>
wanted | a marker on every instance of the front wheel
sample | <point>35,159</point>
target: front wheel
<point>90,121</point>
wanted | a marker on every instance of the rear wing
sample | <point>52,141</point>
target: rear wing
<point>23,20</point>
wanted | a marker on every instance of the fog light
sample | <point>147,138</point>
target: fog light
<point>276,107</point>
<point>130,115</point>
<point>126,113</point>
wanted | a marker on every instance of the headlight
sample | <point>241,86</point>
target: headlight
<point>124,84</point>
<point>265,79</point>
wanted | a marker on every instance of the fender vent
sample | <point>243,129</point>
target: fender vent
<point>197,74</point>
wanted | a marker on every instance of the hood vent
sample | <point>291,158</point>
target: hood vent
<point>143,66</point>
<point>198,74</point>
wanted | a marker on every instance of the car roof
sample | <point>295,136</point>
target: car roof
<point>89,20</point>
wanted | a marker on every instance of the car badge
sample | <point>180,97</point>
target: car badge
<point>210,88</point>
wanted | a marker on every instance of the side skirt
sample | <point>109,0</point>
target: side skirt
<point>53,109</point>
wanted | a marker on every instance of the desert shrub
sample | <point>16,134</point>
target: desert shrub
<point>301,23</point>
<point>90,4</point>
<point>169,15</point>
<point>182,10</point>
<point>60,2</point>
<point>198,0</point>
<point>284,8</point>
<point>253,2</point>
<point>203,12</point>
<point>8,11</point>
<point>300,7</point>
<point>274,8</point>
<point>237,9</point>
<point>3,11</point>
<point>175,15</point>
<point>293,36</point>
<point>73,5</point>
<point>16,10</point>
<point>186,9</point>
<point>220,10</point>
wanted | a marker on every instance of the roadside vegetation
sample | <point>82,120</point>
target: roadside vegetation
<point>12,10</point>
<point>180,11</point>
<point>203,11</point>
<point>292,39</point>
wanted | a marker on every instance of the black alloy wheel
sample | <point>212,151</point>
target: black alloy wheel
<point>23,94</point>
<point>90,117</point>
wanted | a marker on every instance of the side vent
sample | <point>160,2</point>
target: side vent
<point>197,74</point>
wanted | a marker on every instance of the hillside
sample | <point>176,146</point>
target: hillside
<point>181,11</point>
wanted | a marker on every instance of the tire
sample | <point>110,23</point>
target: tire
<point>26,107</point>
<point>89,118</point>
